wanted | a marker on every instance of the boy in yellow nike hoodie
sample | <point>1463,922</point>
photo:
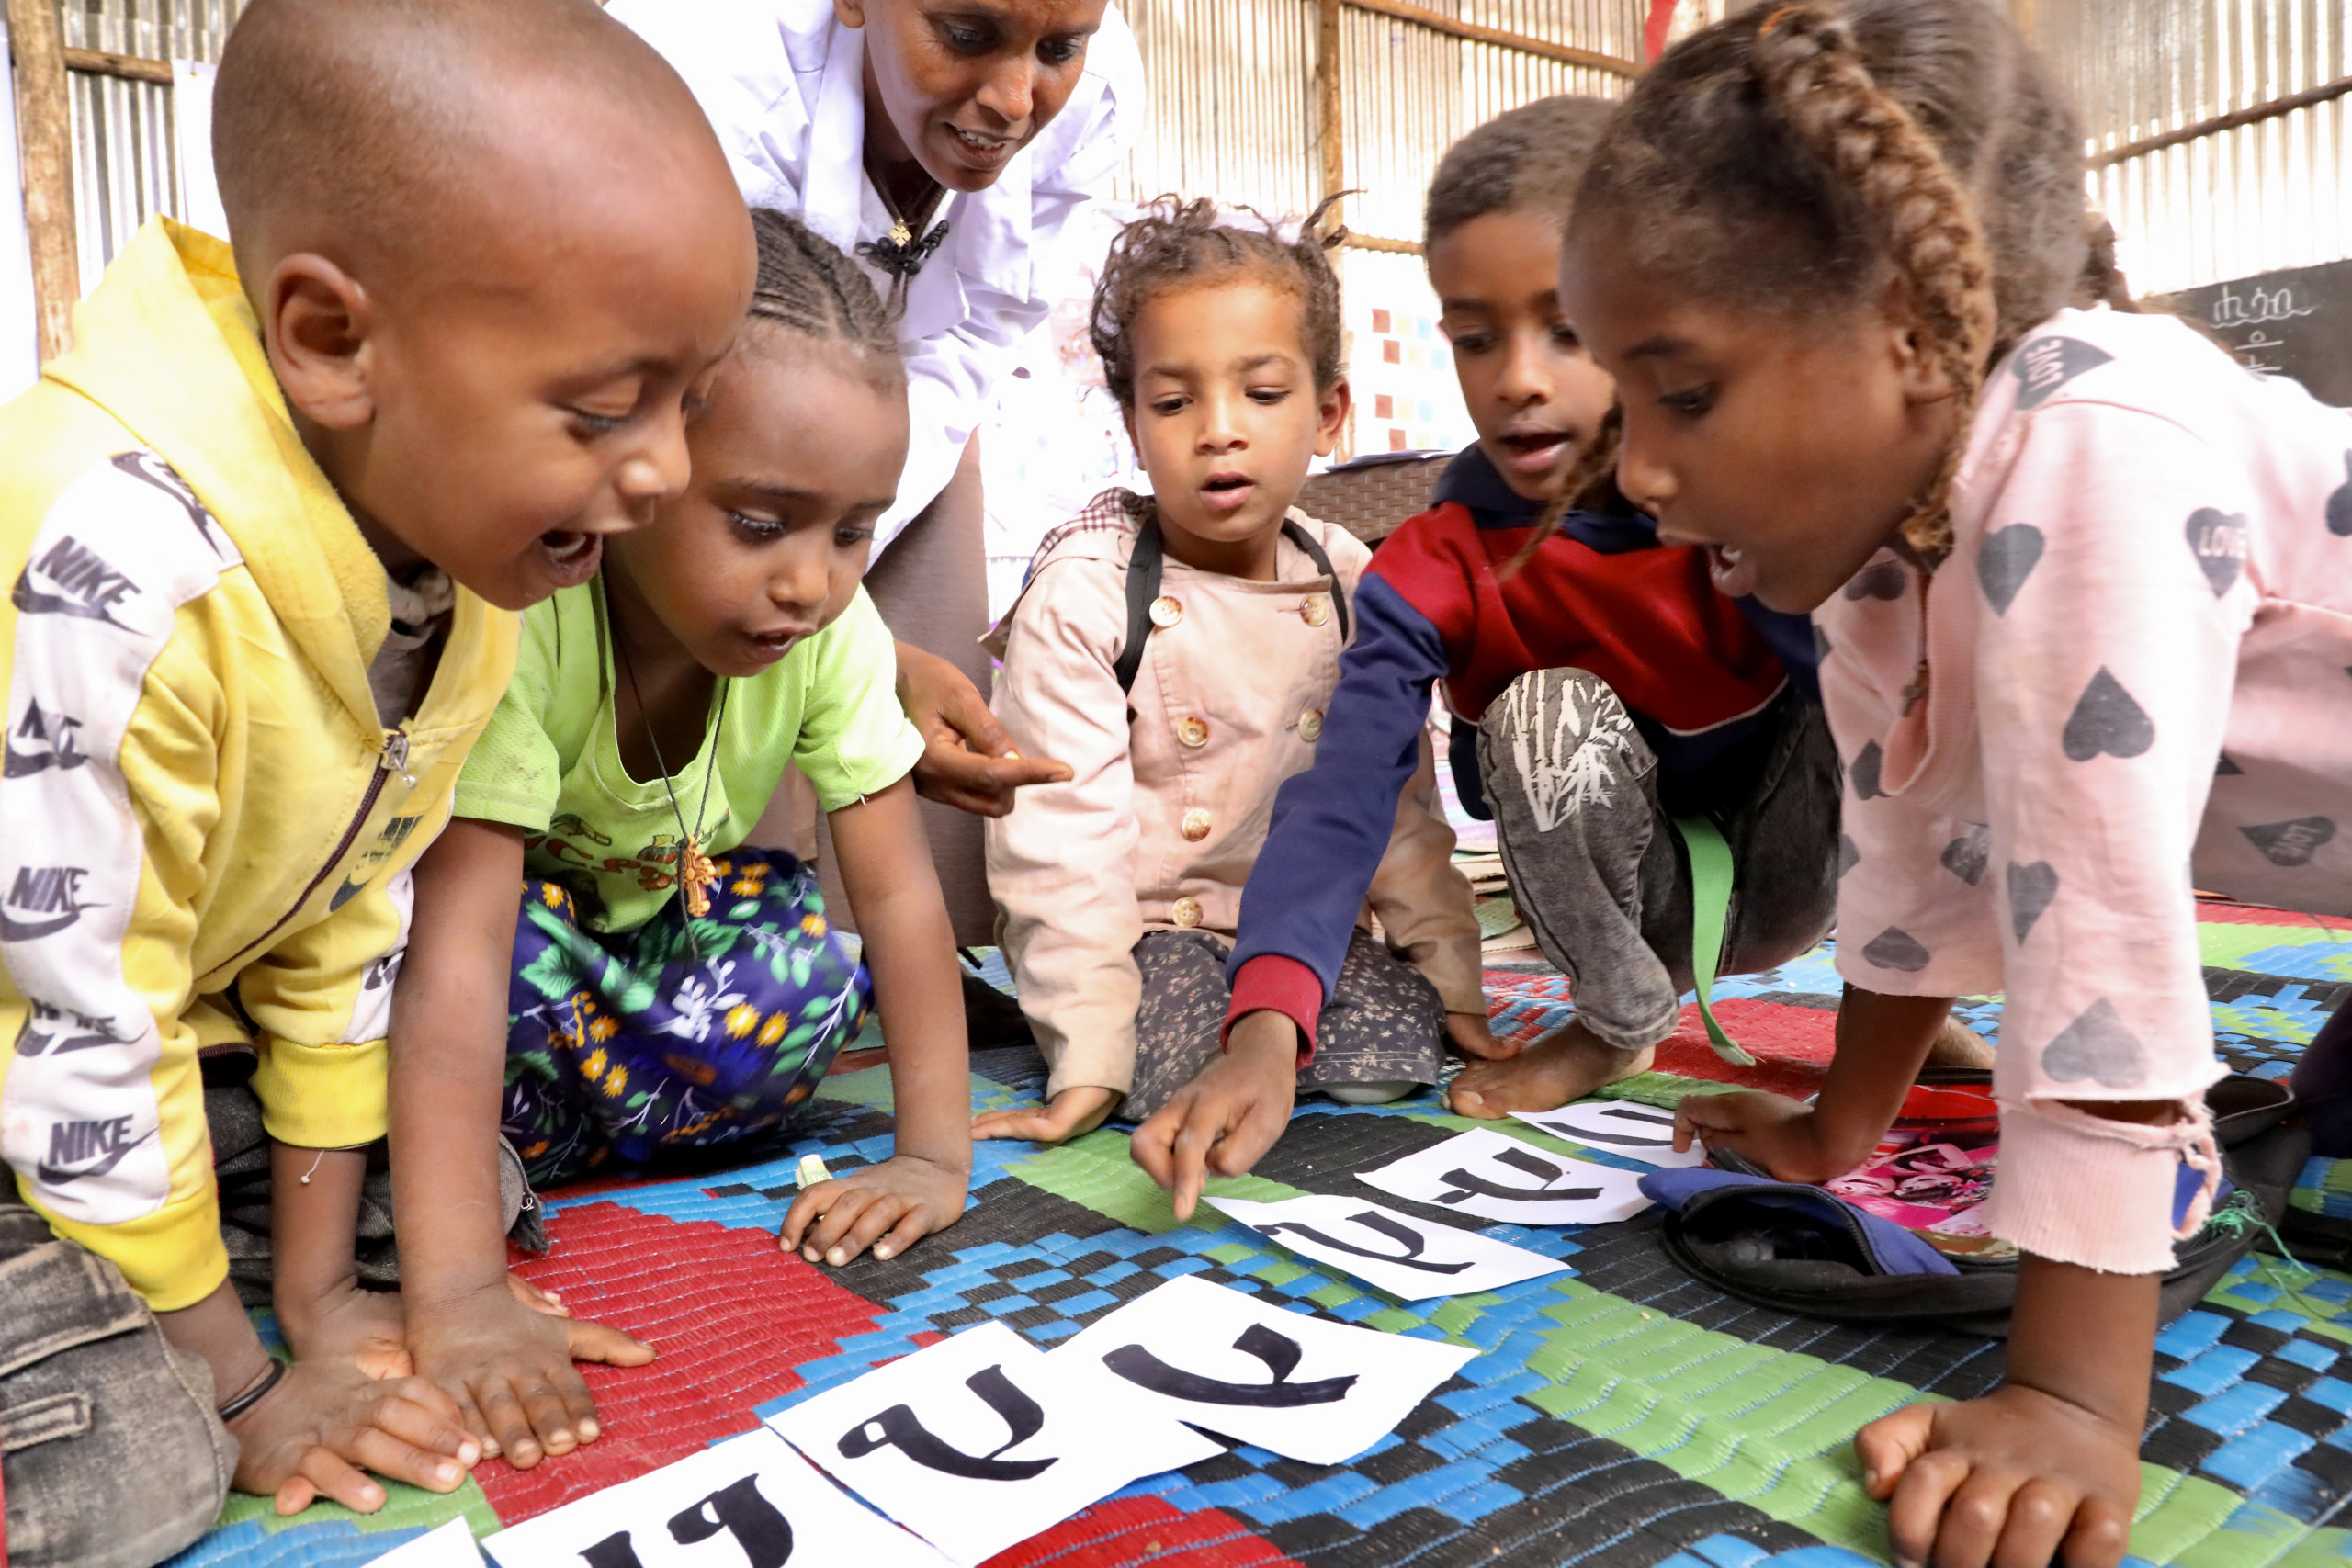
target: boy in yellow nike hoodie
<point>484,251</point>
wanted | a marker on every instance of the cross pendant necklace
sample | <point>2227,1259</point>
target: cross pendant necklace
<point>697,874</point>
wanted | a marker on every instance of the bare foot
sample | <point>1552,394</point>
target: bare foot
<point>1956,1045</point>
<point>1566,1064</point>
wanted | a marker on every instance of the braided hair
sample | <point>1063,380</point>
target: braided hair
<point>1179,244</point>
<point>807,286</point>
<point>1802,158</point>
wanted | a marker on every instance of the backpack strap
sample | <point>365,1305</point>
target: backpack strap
<point>1143,587</point>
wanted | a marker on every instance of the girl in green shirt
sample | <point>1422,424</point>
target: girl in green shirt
<point>662,983</point>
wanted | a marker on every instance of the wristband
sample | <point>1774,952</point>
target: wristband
<point>254,1392</point>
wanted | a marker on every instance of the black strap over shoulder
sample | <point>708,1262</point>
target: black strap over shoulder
<point>1143,588</point>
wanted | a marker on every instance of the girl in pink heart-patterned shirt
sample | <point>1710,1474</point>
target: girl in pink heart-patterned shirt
<point>2082,588</point>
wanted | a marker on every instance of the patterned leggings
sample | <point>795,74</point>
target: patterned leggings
<point>681,1033</point>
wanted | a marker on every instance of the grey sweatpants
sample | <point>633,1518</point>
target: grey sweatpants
<point>1601,875</point>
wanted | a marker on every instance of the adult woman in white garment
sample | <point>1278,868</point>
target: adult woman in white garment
<point>947,144</point>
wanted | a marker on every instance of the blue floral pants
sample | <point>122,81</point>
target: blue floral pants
<point>682,1033</point>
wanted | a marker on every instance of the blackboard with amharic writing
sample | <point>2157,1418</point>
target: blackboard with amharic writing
<point>2294,323</point>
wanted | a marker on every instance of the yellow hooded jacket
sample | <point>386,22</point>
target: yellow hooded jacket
<point>204,831</point>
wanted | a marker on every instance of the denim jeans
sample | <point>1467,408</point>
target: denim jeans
<point>112,1455</point>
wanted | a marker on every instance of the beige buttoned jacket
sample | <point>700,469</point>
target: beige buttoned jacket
<point>1174,782</point>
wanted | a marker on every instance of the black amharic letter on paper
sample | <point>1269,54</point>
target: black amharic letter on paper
<point>1543,1170</point>
<point>1411,1240</point>
<point>899,1427</point>
<point>738,1509</point>
<point>1279,1351</point>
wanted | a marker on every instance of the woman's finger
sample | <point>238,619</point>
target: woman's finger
<point>963,710</point>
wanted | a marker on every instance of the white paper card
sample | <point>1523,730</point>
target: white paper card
<point>749,1502</point>
<point>1412,1259</point>
<point>980,1442</point>
<point>451,1546</point>
<point>1623,1127</point>
<point>1313,1390</point>
<point>1497,1176</point>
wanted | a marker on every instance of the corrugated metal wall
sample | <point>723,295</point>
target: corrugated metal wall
<point>1233,110</point>
<point>1232,102</point>
<point>2260,197</point>
<point>125,166</point>
<point>1407,92</point>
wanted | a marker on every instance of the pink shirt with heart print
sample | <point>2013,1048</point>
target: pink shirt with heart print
<point>2139,683</point>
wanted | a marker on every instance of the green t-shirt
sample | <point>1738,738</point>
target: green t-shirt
<point>549,762</point>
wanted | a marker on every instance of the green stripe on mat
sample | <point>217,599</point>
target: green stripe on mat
<point>1096,1173</point>
<point>1774,1428</point>
<point>2326,1546</point>
<point>405,1507</point>
<point>2225,945</point>
<point>1771,1428</point>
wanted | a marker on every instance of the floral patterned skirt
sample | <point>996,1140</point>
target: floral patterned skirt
<point>681,1033</point>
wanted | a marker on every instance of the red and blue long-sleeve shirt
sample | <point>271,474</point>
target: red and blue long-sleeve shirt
<point>1698,672</point>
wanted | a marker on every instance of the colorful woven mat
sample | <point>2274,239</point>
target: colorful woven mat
<point>1625,1416</point>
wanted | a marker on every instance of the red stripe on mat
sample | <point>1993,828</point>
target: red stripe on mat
<point>2213,912</point>
<point>1792,1045</point>
<point>1145,1529</point>
<point>730,1315</point>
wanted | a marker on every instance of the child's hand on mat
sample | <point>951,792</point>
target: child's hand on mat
<point>1224,1121</point>
<point>1472,1037</point>
<point>968,761</point>
<point>1071,1112</point>
<point>507,1361</point>
<point>2017,1479</point>
<point>1782,1135</point>
<point>349,1323</point>
<point>888,1207</point>
<point>311,1435</point>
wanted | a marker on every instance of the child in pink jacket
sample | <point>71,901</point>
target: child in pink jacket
<point>1178,652</point>
<point>2084,592</point>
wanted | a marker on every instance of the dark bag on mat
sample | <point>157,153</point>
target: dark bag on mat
<point>1800,1250</point>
